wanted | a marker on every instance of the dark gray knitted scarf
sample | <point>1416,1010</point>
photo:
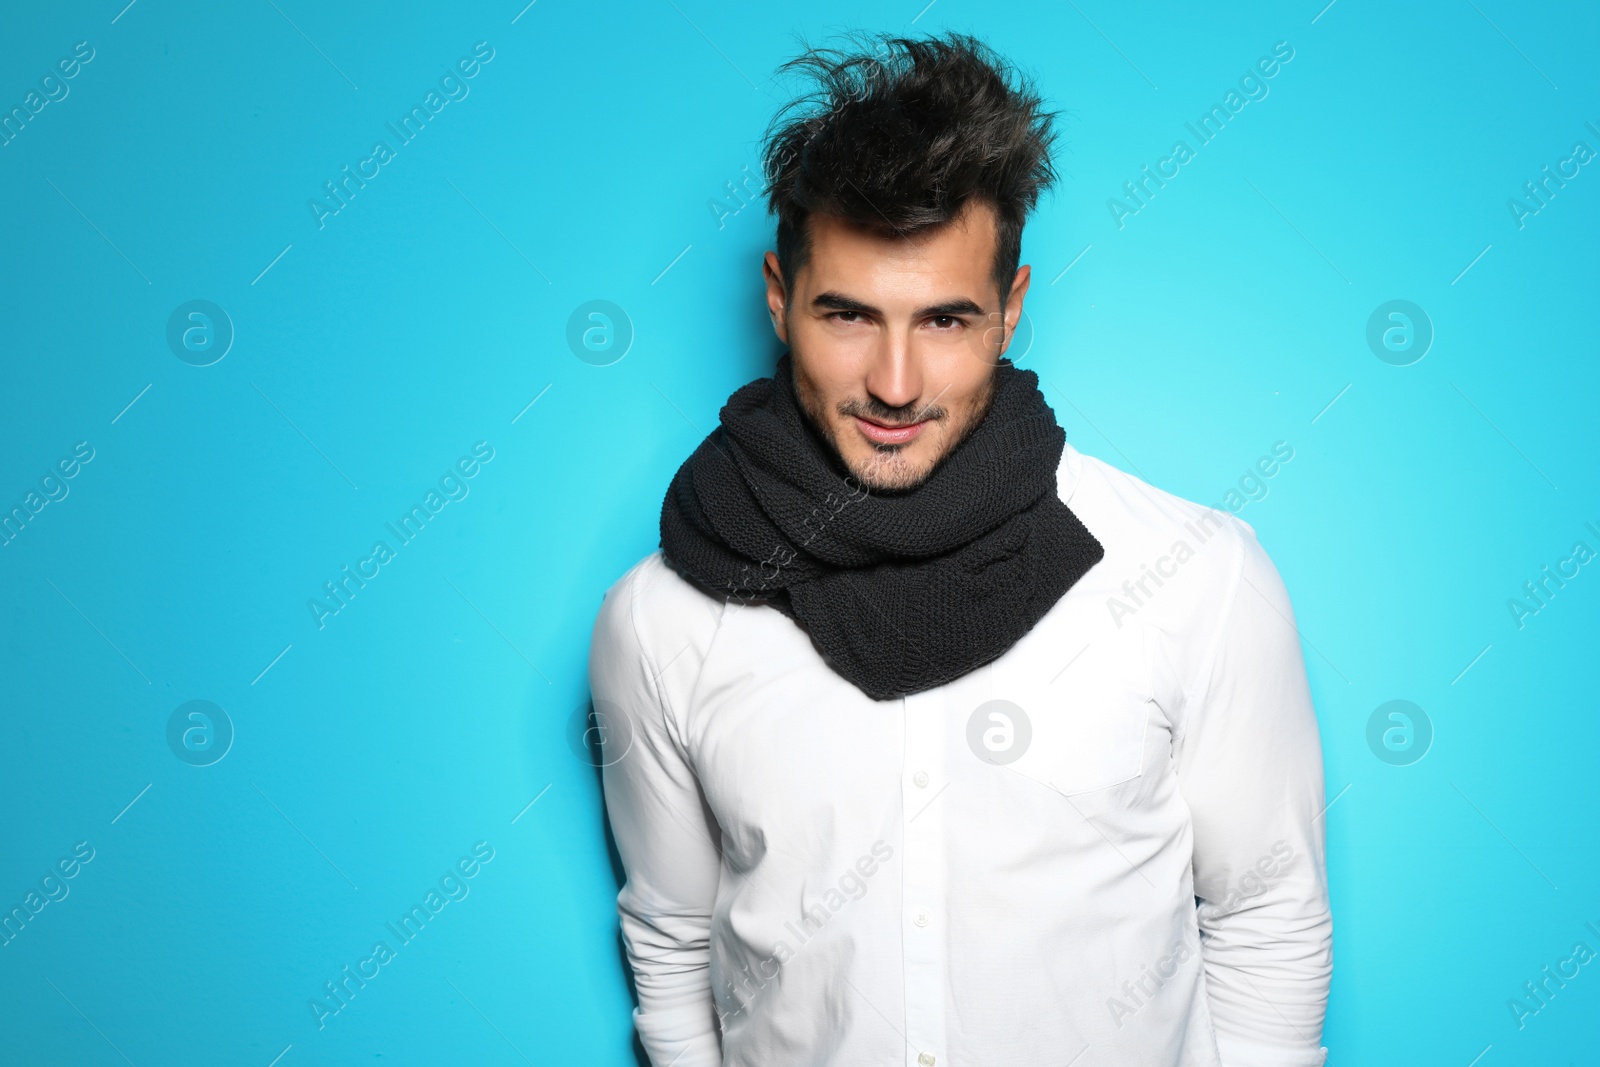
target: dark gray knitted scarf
<point>899,591</point>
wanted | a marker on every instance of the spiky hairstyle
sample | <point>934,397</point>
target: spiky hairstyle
<point>898,134</point>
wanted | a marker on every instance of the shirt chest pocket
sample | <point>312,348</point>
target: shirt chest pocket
<point>1084,731</point>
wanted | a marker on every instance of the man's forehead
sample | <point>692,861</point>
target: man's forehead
<point>954,260</point>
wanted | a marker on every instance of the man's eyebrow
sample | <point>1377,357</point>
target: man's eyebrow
<point>839,302</point>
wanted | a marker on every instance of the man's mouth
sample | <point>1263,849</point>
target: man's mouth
<point>886,434</point>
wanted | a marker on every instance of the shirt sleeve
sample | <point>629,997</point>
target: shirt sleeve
<point>665,837</point>
<point>1249,764</point>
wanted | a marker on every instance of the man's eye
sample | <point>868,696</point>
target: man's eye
<point>836,315</point>
<point>946,322</point>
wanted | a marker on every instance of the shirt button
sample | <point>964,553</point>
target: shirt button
<point>921,778</point>
<point>921,919</point>
<point>926,1059</point>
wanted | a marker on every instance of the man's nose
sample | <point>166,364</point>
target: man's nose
<point>895,376</point>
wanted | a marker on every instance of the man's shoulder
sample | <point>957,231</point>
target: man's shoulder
<point>1089,483</point>
<point>650,603</point>
<point>1199,549</point>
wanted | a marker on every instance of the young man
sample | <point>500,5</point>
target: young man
<point>931,740</point>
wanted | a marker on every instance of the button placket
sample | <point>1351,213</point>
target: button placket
<point>923,864</point>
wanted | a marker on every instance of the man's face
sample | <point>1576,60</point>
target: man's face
<point>895,340</point>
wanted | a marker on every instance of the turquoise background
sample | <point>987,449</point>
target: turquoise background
<point>584,163</point>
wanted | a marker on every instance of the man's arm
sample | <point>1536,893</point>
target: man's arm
<point>1249,765</point>
<point>665,838</point>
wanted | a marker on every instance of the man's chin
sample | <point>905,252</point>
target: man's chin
<point>889,472</point>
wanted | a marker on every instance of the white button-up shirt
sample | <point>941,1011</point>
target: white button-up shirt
<point>1103,848</point>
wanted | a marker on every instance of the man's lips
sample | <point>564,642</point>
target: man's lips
<point>888,435</point>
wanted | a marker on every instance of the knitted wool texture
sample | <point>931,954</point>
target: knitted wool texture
<point>899,591</point>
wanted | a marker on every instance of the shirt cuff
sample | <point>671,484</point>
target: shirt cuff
<point>1241,1052</point>
<point>682,1037</point>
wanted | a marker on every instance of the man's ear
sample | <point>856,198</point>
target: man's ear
<point>1013,309</point>
<point>777,296</point>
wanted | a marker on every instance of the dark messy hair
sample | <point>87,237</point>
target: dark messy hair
<point>899,134</point>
